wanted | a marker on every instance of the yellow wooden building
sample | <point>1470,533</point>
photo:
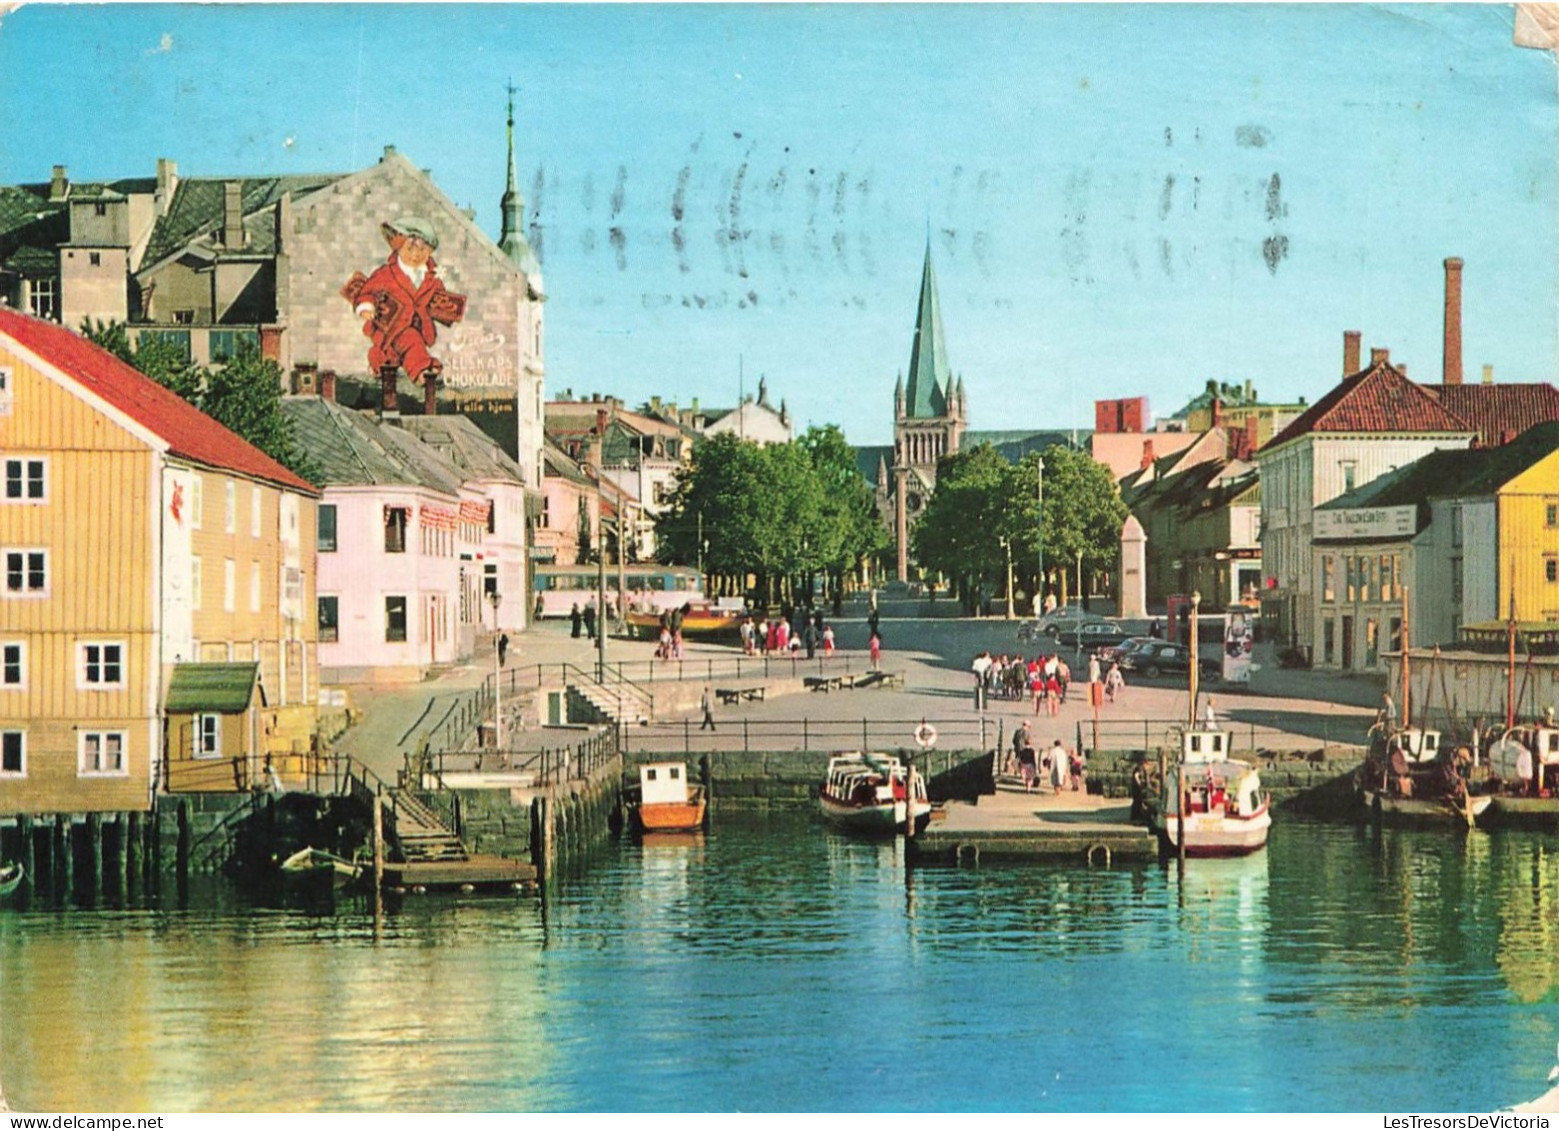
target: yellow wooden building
<point>138,537</point>
<point>1528,525</point>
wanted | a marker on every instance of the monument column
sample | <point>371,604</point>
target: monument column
<point>1134,556</point>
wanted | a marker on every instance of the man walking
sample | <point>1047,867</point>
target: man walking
<point>706,704</point>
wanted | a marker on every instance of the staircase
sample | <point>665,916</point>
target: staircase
<point>616,701</point>
<point>420,835</point>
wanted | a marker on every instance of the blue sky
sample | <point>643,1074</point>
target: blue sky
<point>1122,200</point>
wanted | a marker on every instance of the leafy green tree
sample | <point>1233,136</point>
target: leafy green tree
<point>1083,515</point>
<point>849,530</point>
<point>244,394</point>
<point>958,534</point>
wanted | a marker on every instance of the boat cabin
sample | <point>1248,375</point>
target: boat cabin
<point>1418,745</point>
<point>663,783</point>
<point>1204,746</point>
<point>1216,788</point>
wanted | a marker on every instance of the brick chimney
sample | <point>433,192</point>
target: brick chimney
<point>59,183</point>
<point>1350,352</point>
<point>1453,322</point>
<point>327,384</point>
<point>389,403</point>
<point>232,214</point>
<point>429,395</point>
<point>1488,375</point>
<point>1217,407</point>
<point>1147,455</point>
<point>1379,354</point>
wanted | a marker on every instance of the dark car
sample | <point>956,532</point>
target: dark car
<point>1160,657</point>
<point>1115,654</point>
<point>1090,636</point>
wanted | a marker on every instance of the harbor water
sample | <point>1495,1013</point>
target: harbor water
<point>770,965</point>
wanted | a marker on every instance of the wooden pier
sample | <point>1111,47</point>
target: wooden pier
<point>471,873</point>
<point>1013,825</point>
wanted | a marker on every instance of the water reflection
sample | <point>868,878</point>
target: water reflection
<point>1341,968</point>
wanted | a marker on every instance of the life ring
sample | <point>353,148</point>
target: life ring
<point>925,735</point>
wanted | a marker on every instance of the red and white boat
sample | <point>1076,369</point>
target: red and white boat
<point>870,793</point>
<point>1213,801</point>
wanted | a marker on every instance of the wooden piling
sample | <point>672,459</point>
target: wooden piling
<point>29,862</point>
<point>94,884</point>
<point>378,844</point>
<point>181,857</point>
<point>64,858</point>
<point>132,854</point>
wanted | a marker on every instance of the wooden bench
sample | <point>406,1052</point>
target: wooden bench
<point>822,682</point>
<point>878,679</point>
<point>734,694</point>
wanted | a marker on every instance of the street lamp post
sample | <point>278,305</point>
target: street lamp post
<point>496,598</point>
<point>1039,589</point>
<point>1006,544</point>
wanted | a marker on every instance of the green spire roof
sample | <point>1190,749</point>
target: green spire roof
<point>930,383</point>
<point>510,240</point>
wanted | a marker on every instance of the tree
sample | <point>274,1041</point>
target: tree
<point>959,533</point>
<point>243,394</point>
<point>849,530</point>
<point>1083,513</point>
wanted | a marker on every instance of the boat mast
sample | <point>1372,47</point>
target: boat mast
<point>1407,686</point>
<point>1510,643</point>
<point>1196,599</point>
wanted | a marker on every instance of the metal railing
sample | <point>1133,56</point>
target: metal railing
<point>685,736</point>
<point>706,669</point>
<point>551,765</point>
<point>1244,735</point>
<point>622,693</point>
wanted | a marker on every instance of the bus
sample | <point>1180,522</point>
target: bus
<point>651,587</point>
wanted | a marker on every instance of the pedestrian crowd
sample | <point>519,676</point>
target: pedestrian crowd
<point>1058,767</point>
<point>1047,679</point>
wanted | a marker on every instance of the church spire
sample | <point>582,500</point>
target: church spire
<point>930,384</point>
<point>511,241</point>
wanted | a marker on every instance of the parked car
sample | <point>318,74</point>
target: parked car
<point>1052,623</point>
<point>1090,636</point>
<point>1114,655</point>
<point>1160,657</point>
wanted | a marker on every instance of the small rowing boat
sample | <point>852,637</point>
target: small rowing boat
<point>11,876</point>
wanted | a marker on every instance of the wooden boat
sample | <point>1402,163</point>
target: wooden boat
<point>11,876</point>
<point>1524,767</point>
<point>664,802</point>
<point>1214,801</point>
<point>869,793</point>
<point>316,868</point>
<point>1410,779</point>
<point>702,622</point>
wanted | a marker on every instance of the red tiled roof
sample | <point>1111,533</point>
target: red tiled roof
<point>186,430</point>
<point>1380,399</point>
<point>1500,413</point>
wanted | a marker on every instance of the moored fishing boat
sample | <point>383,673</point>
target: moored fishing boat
<point>664,802</point>
<point>11,876</point>
<point>870,793</point>
<point>1410,779</point>
<point>1211,801</point>
<point>1524,773</point>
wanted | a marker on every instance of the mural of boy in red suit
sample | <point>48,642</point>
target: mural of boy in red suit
<point>402,303</point>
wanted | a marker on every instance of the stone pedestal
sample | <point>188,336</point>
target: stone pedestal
<point>1134,575</point>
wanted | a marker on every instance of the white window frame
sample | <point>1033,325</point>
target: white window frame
<point>22,463</point>
<point>84,665</point>
<point>254,587</point>
<point>207,736</point>
<point>197,583</point>
<point>254,510</point>
<point>21,663</point>
<point>230,508</point>
<point>84,740</point>
<point>197,496</point>
<point>22,734</point>
<point>24,593</point>
<point>5,390</point>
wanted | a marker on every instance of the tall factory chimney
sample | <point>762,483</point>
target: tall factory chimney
<point>1453,322</point>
